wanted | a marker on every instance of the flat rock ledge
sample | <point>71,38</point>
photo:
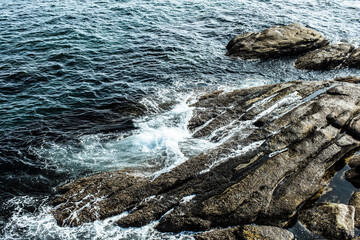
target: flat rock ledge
<point>275,42</point>
<point>275,149</point>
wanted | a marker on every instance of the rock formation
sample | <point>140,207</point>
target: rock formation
<point>275,146</point>
<point>325,58</point>
<point>275,41</point>
<point>331,220</point>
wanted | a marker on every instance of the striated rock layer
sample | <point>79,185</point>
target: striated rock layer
<point>275,145</point>
<point>275,41</point>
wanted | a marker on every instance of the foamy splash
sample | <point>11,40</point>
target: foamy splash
<point>160,142</point>
<point>42,225</point>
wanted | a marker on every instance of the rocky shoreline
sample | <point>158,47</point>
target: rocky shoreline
<point>292,135</point>
<point>276,149</point>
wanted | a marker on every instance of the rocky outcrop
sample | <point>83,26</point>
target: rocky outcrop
<point>354,59</point>
<point>248,232</point>
<point>274,147</point>
<point>275,41</point>
<point>355,201</point>
<point>331,220</point>
<point>325,58</point>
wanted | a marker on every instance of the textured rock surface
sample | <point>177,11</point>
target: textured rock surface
<point>355,201</point>
<point>325,58</point>
<point>331,220</point>
<point>354,59</point>
<point>274,145</point>
<point>248,232</point>
<point>275,41</point>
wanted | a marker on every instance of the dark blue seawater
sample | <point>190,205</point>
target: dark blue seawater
<point>76,74</point>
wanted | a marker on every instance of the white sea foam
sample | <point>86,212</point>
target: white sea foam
<point>160,142</point>
<point>42,225</point>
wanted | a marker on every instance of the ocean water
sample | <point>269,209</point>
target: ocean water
<point>89,86</point>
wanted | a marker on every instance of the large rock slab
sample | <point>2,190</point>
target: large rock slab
<point>275,41</point>
<point>274,147</point>
<point>325,58</point>
<point>247,232</point>
<point>331,220</point>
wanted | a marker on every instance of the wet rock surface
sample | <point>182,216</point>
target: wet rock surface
<point>274,147</point>
<point>331,220</point>
<point>325,58</point>
<point>275,41</point>
<point>247,232</point>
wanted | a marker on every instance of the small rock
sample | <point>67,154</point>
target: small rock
<point>353,175</point>
<point>331,220</point>
<point>275,41</point>
<point>354,59</point>
<point>355,201</point>
<point>354,161</point>
<point>325,58</point>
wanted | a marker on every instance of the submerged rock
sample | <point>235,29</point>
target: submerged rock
<point>247,232</point>
<point>325,58</point>
<point>275,41</point>
<point>353,175</point>
<point>354,59</point>
<point>331,220</point>
<point>274,146</point>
